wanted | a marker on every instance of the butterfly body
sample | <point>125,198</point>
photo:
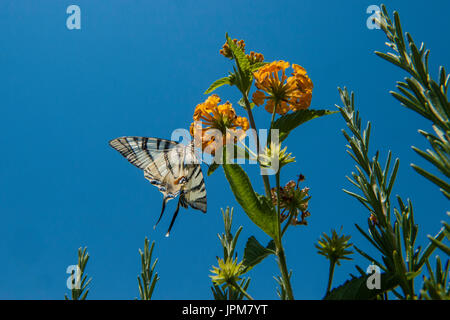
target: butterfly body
<point>171,167</point>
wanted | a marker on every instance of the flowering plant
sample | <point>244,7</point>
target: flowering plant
<point>286,96</point>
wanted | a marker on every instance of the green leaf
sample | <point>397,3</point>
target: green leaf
<point>258,208</point>
<point>218,83</point>
<point>356,288</point>
<point>257,65</point>
<point>243,74</point>
<point>285,124</point>
<point>240,153</point>
<point>239,55</point>
<point>439,182</point>
<point>254,252</point>
<point>440,245</point>
<point>390,58</point>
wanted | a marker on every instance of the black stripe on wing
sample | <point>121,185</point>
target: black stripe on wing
<point>141,151</point>
<point>194,193</point>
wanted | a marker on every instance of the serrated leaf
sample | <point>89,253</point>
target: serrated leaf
<point>285,124</point>
<point>243,74</point>
<point>356,289</point>
<point>254,252</point>
<point>239,55</point>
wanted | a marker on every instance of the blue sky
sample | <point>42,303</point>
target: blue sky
<point>140,68</point>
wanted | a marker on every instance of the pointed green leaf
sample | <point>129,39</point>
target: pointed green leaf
<point>356,288</point>
<point>258,208</point>
<point>254,252</point>
<point>439,182</point>
<point>440,245</point>
<point>218,83</point>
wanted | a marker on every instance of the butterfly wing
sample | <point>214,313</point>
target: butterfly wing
<point>173,168</point>
<point>141,151</point>
<point>167,172</point>
<point>194,193</point>
<point>164,162</point>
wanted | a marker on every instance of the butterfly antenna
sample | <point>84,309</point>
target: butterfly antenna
<point>174,217</point>
<point>162,211</point>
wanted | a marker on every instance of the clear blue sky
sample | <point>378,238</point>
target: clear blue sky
<point>139,68</point>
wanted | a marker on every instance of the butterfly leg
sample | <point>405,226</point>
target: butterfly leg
<point>174,217</point>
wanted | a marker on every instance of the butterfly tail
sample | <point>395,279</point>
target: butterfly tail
<point>165,199</point>
<point>173,219</point>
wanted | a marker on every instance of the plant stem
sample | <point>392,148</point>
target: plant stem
<point>239,288</point>
<point>291,215</point>
<point>253,126</point>
<point>330,275</point>
<point>279,247</point>
<point>284,272</point>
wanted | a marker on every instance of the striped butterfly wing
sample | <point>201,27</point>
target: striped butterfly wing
<point>157,157</point>
<point>141,151</point>
<point>194,193</point>
<point>173,168</point>
<point>170,172</point>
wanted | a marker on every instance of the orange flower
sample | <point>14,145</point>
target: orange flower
<point>258,97</point>
<point>287,93</point>
<point>255,57</point>
<point>220,117</point>
<point>242,122</point>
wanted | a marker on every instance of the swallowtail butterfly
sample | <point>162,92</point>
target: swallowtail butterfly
<point>170,166</point>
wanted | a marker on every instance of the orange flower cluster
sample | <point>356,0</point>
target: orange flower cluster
<point>286,93</point>
<point>255,57</point>
<point>214,116</point>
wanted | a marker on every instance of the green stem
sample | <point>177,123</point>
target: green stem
<point>291,215</point>
<point>241,290</point>
<point>253,126</point>
<point>279,247</point>
<point>273,116</point>
<point>284,272</point>
<point>330,275</point>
